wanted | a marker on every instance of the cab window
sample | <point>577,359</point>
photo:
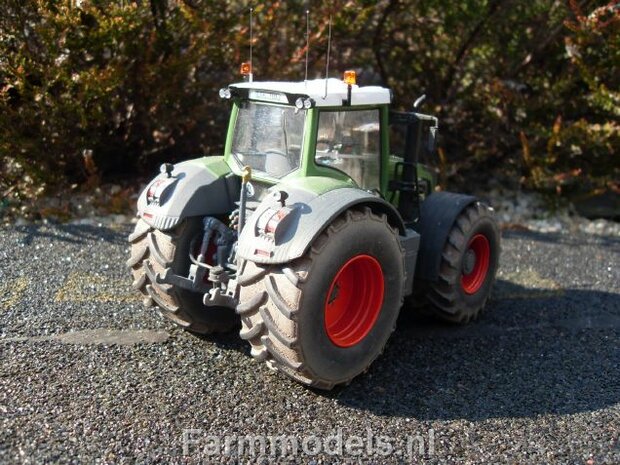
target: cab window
<point>268,137</point>
<point>350,141</point>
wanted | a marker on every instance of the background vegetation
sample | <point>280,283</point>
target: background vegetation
<point>527,92</point>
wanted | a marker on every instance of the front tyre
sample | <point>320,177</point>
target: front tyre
<point>324,318</point>
<point>152,251</point>
<point>469,262</point>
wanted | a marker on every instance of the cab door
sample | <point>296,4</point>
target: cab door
<point>350,141</point>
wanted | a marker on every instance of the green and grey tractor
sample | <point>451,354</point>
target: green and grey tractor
<point>317,225</point>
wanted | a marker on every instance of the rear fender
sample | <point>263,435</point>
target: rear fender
<point>437,216</point>
<point>310,214</point>
<point>199,187</point>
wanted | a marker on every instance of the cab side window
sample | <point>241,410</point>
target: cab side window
<point>350,141</point>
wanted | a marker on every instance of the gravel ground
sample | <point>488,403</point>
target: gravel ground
<point>89,376</point>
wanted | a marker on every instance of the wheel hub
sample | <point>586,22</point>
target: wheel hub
<point>334,294</point>
<point>354,301</point>
<point>475,265</point>
<point>469,261</point>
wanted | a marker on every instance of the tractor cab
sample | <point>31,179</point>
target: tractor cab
<point>322,127</point>
<point>326,128</point>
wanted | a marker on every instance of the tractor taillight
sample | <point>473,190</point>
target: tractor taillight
<point>269,222</point>
<point>152,190</point>
<point>273,222</point>
<point>159,190</point>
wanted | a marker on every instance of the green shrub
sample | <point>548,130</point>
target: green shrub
<point>93,89</point>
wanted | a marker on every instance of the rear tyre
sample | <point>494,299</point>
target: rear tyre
<point>152,251</point>
<point>324,318</point>
<point>469,262</point>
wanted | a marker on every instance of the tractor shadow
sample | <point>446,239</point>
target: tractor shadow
<point>534,352</point>
<point>559,238</point>
<point>73,233</point>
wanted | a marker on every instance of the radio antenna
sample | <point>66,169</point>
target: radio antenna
<point>307,42</point>
<point>251,75</point>
<point>329,48</point>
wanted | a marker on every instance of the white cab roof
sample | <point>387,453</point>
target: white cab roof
<point>315,89</point>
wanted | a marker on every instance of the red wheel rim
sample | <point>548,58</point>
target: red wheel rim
<point>354,301</point>
<point>475,274</point>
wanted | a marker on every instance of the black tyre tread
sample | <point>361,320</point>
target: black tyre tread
<point>166,289</point>
<point>159,300</point>
<point>251,331</point>
<point>247,278</point>
<point>139,282</point>
<point>152,251</point>
<point>293,277</point>
<point>276,341</point>
<point>156,253</point>
<point>273,329</point>
<point>138,254</point>
<point>277,299</point>
<point>279,357</point>
<point>141,229</point>
<point>253,303</point>
<point>443,294</point>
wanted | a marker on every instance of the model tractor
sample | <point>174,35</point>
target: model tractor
<point>317,225</point>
